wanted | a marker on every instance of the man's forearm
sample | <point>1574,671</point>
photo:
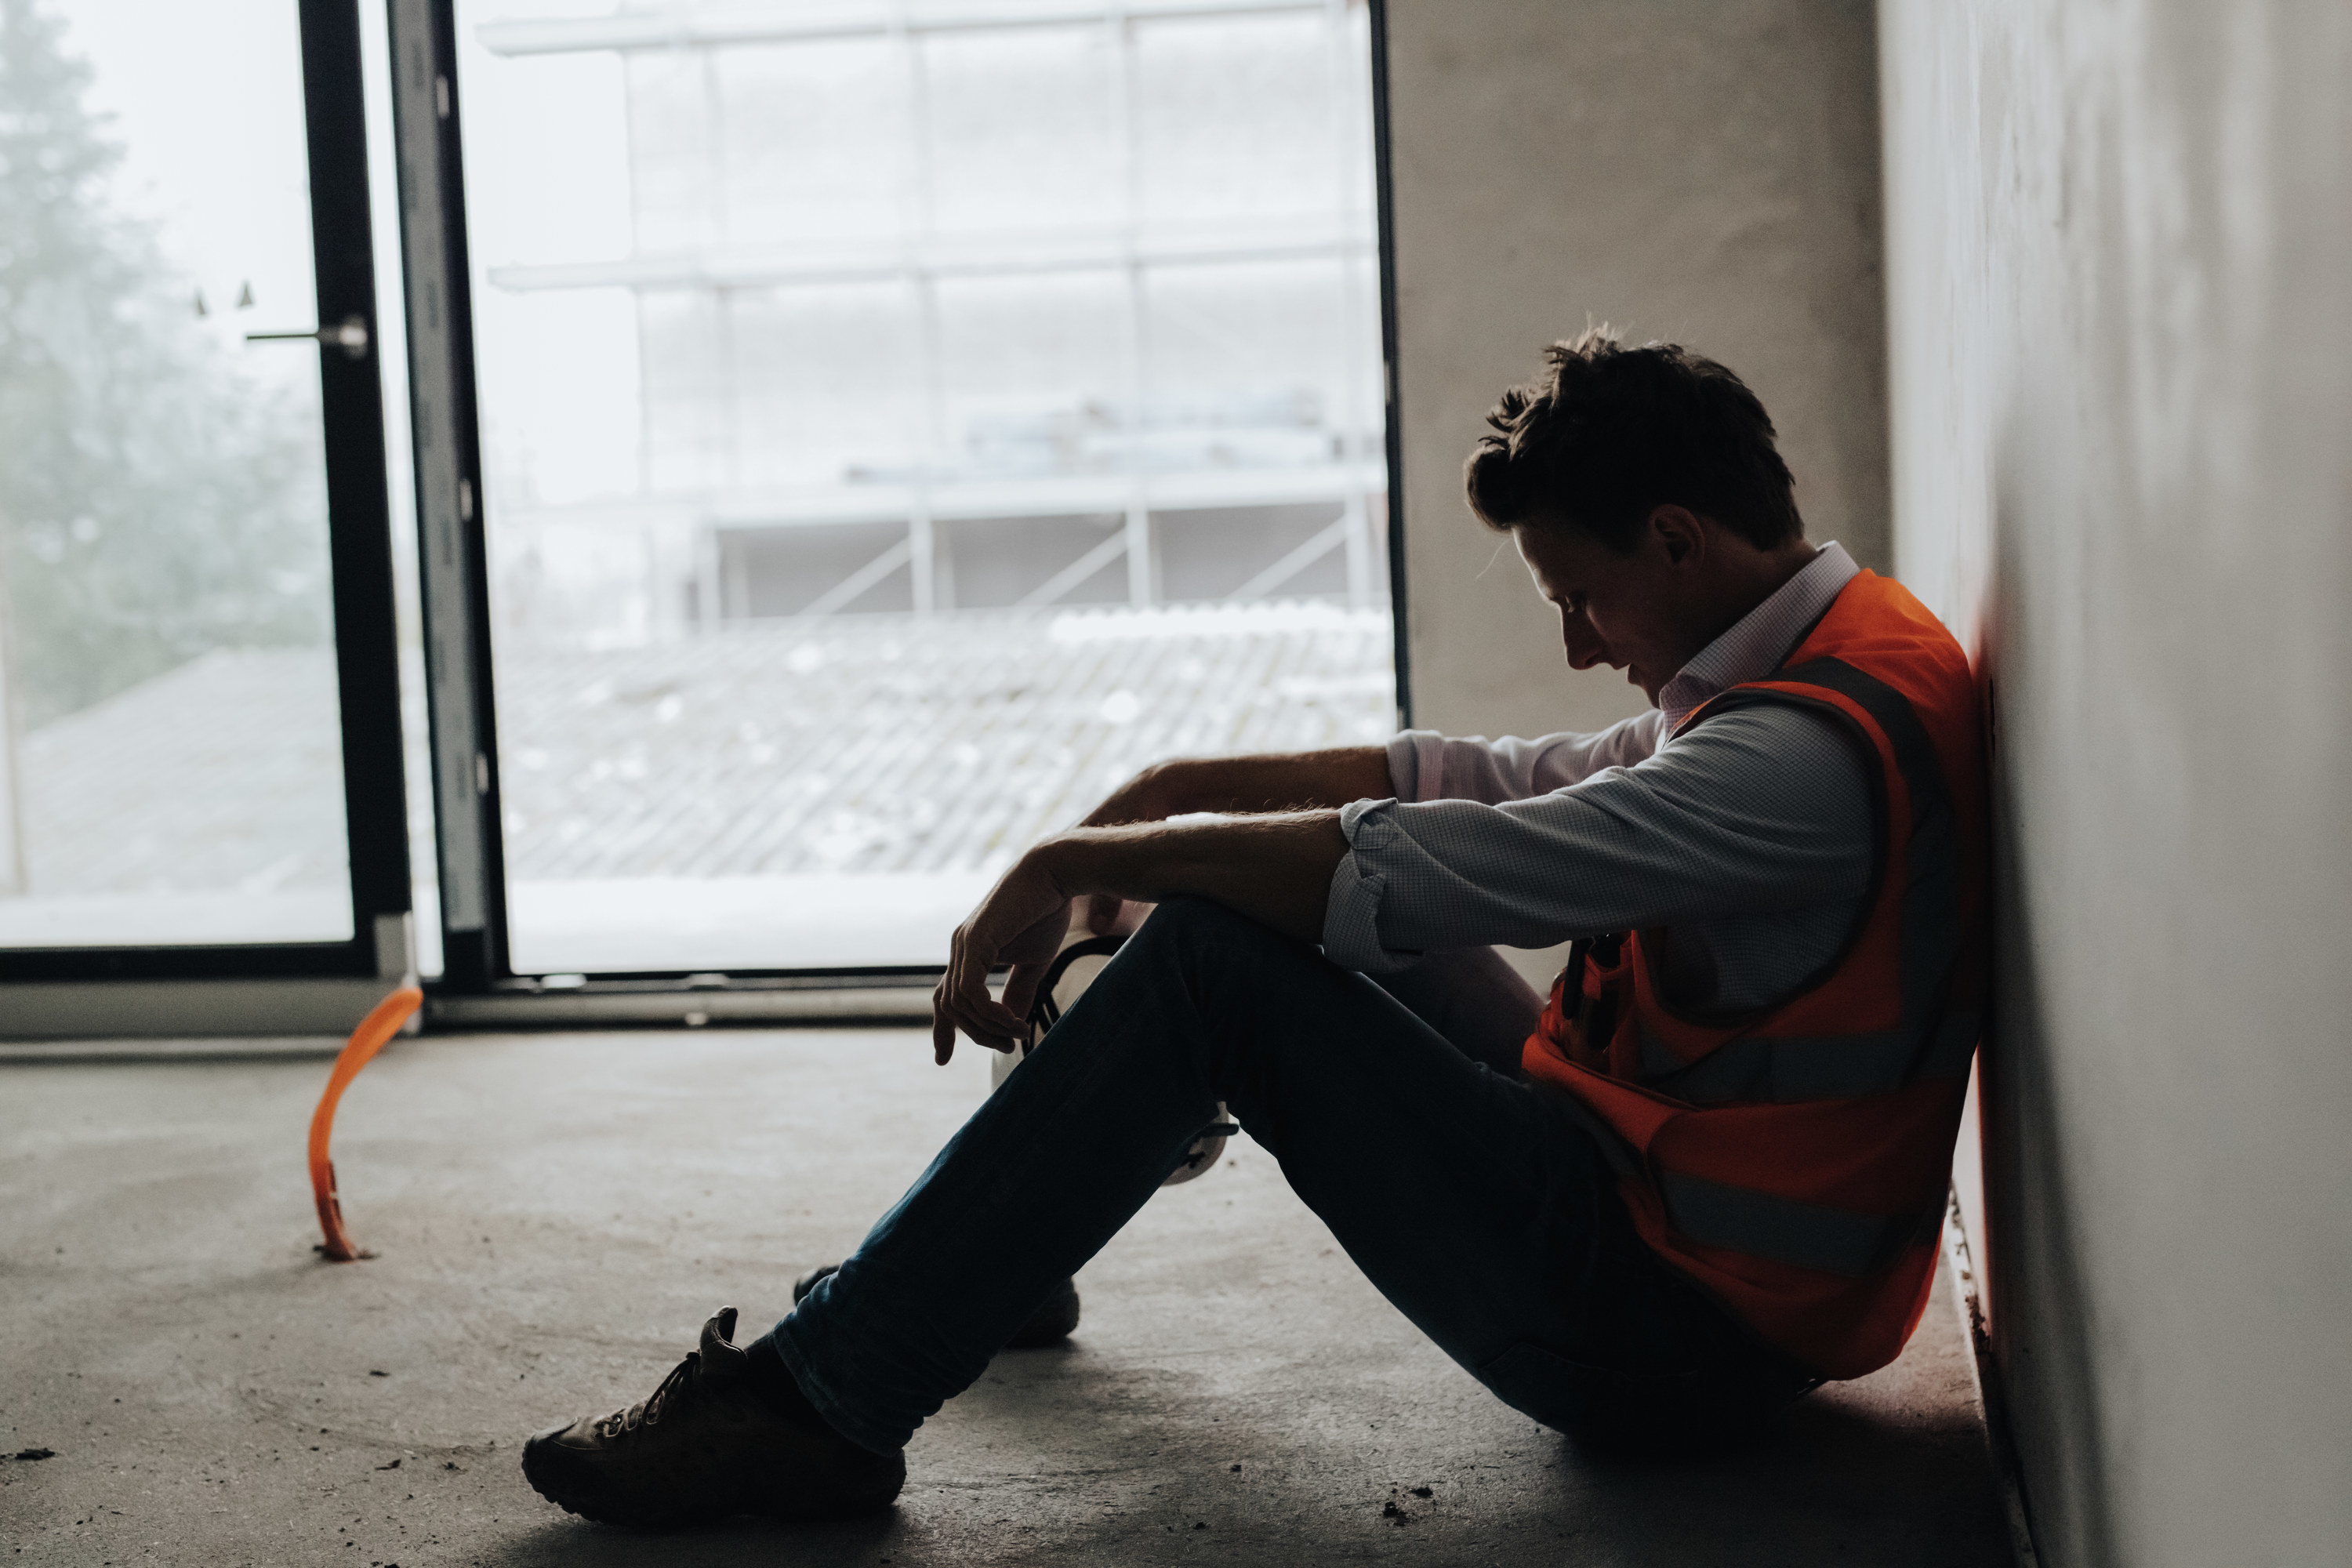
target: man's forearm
<point>1272,782</point>
<point>1277,870</point>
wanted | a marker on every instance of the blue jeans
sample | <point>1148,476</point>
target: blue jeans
<point>1472,1201</point>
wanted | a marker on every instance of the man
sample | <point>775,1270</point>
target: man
<point>1706,1176</point>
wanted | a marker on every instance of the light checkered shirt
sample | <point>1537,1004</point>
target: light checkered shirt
<point>1750,838</point>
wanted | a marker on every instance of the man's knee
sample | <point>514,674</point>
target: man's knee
<point>1189,918</point>
<point>1220,959</point>
<point>1231,966</point>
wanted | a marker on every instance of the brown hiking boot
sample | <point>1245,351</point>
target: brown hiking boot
<point>707,1445</point>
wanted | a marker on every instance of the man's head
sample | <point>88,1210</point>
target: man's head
<point>1644,493</point>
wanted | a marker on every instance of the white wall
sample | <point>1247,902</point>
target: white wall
<point>1705,174</point>
<point>2119,253</point>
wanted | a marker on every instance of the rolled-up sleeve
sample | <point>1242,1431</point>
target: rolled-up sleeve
<point>1762,809</point>
<point>1351,936</point>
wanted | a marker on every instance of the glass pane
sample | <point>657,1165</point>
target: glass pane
<point>170,751</point>
<point>898,429</point>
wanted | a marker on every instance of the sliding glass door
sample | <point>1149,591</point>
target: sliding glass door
<point>199,725</point>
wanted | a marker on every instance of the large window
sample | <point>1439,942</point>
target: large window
<point>848,437</point>
<point>898,424</point>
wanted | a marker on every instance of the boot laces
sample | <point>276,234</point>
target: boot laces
<point>674,1390</point>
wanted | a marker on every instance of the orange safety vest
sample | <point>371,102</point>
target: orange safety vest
<point>1794,1159</point>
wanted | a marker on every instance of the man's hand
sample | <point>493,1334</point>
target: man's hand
<point>1020,923</point>
<point>1276,869</point>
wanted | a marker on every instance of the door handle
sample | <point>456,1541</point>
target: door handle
<point>350,334</point>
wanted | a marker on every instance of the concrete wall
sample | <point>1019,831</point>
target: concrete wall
<point>1706,173</point>
<point>2119,251</point>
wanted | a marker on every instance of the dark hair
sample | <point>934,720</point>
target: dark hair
<point>1608,433</point>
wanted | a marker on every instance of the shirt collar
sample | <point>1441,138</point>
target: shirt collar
<point>1759,639</point>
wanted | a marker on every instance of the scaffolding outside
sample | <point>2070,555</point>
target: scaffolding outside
<point>899,424</point>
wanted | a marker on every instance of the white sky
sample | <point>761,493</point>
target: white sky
<point>547,179</point>
<point>205,101</point>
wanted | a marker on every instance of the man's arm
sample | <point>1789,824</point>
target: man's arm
<point>1426,766</point>
<point>1277,870</point>
<point>1419,765</point>
<point>1763,811</point>
<point>1274,780</point>
<point>1267,782</point>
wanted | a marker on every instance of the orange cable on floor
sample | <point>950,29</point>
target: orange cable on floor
<point>375,1030</point>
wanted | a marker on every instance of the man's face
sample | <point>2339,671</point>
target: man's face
<point>1633,612</point>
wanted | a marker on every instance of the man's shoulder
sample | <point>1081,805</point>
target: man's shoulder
<point>1757,732</point>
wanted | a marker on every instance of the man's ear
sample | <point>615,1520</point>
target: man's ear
<point>1680,534</point>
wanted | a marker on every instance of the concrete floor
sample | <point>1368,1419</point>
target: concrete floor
<point>556,1215</point>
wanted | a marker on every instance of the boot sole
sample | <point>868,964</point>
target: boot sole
<point>564,1483</point>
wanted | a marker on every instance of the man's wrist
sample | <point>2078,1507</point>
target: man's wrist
<point>1057,857</point>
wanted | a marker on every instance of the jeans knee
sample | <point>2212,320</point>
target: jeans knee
<point>1227,966</point>
<point>1188,921</point>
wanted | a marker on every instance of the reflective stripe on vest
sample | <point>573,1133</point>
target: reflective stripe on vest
<point>1774,1070</point>
<point>1812,1236</point>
